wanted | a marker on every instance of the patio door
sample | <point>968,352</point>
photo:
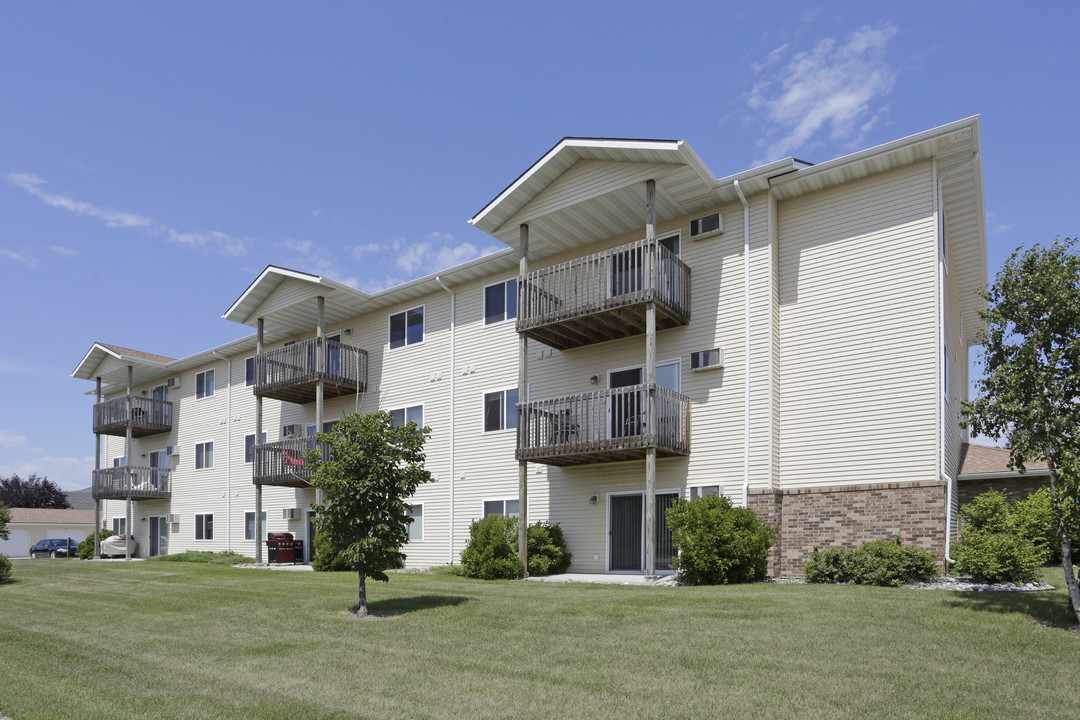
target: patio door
<point>333,355</point>
<point>159,411</point>
<point>625,409</point>
<point>626,532</point>
<point>159,535</point>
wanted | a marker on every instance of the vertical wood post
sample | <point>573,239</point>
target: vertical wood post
<point>523,392</point>
<point>320,368</point>
<point>650,382</point>
<point>258,439</point>
<point>127,462</point>
<point>97,466</point>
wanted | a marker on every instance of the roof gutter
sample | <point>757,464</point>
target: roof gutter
<point>746,344</point>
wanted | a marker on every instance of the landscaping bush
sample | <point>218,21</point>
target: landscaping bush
<point>225,557</point>
<point>491,553</point>
<point>886,562</point>
<point>998,557</point>
<point>1005,542</point>
<point>1033,518</point>
<point>326,555</point>
<point>547,549</point>
<point>5,569</point>
<point>718,543</point>
<point>86,545</point>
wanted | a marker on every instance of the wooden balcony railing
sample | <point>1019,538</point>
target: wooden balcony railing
<point>139,483</point>
<point>145,415</point>
<point>291,373</point>
<point>285,462</point>
<point>603,296</point>
<point>603,426</point>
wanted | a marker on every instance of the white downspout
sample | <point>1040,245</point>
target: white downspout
<point>746,342</point>
<point>228,453</point>
<point>453,375</point>
<point>949,481</point>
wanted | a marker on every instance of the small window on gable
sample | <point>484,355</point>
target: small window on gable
<point>500,302</point>
<point>407,327</point>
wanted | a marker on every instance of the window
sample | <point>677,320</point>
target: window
<point>500,302</point>
<point>416,527</point>
<point>249,372</point>
<point>204,384</point>
<point>671,242</point>
<point>204,455</point>
<point>499,410</point>
<point>249,524</point>
<point>249,447</point>
<point>119,525</point>
<point>706,225</point>
<point>407,328</point>
<point>403,416</point>
<point>119,461</point>
<point>506,508</point>
<point>326,427</point>
<point>706,491</point>
<point>204,527</point>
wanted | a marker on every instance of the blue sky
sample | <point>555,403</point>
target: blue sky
<point>155,157</point>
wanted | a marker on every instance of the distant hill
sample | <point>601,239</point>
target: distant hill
<point>81,499</point>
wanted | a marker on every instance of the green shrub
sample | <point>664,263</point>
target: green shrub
<point>225,557</point>
<point>86,546</point>
<point>827,566</point>
<point>326,555</point>
<point>998,557</point>
<point>491,553</point>
<point>989,512</point>
<point>5,569</point>
<point>1033,518</point>
<point>547,549</point>
<point>718,543</point>
<point>885,561</point>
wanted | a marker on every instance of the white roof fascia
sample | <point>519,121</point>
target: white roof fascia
<point>1004,475</point>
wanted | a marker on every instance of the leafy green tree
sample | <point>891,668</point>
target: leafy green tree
<point>373,467</point>
<point>1031,390</point>
<point>5,518</point>
<point>33,492</point>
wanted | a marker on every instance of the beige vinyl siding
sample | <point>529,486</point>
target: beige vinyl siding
<point>859,332</point>
<point>762,292</point>
<point>954,344</point>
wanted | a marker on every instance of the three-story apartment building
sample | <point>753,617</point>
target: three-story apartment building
<point>794,337</point>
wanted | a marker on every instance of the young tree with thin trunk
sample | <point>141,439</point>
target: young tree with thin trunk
<point>372,468</point>
<point>1031,390</point>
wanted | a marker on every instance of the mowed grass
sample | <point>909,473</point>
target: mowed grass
<point>177,640</point>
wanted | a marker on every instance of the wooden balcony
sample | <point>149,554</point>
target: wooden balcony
<point>603,296</point>
<point>138,483</point>
<point>146,416</point>
<point>285,463</point>
<point>603,426</point>
<point>291,373</point>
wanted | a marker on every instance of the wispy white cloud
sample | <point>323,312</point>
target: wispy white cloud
<point>210,240</point>
<point>70,473</point>
<point>65,251</point>
<point>834,89</point>
<point>316,212</point>
<point>416,258</point>
<point>9,439</point>
<point>18,257</point>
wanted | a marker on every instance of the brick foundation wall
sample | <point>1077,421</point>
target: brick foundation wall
<point>847,516</point>
<point>1015,488</point>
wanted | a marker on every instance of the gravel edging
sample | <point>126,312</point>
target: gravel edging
<point>954,584</point>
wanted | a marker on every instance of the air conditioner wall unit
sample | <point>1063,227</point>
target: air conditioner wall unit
<point>712,224</point>
<point>290,514</point>
<point>173,382</point>
<point>171,450</point>
<point>707,359</point>
<point>174,518</point>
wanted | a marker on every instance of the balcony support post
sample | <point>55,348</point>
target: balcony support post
<point>523,384</point>
<point>320,355</point>
<point>258,440</point>
<point>97,466</point>
<point>650,382</point>
<point>127,462</point>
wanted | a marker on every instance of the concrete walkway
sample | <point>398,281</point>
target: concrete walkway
<point>600,578</point>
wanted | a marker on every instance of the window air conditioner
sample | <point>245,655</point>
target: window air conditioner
<point>707,359</point>
<point>175,518</point>
<point>173,382</point>
<point>171,450</point>
<point>290,514</point>
<point>708,225</point>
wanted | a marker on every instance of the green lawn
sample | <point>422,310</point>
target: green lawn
<point>177,640</point>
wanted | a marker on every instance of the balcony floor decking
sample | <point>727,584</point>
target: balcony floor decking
<point>138,483</point>
<point>597,326</point>
<point>302,393</point>
<point>616,450</point>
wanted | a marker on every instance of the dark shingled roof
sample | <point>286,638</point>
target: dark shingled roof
<point>137,353</point>
<point>981,459</point>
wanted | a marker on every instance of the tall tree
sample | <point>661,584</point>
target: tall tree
<point>33,492</point>
<point>372,468</point>
<point>5,518</point>
<point>1031,390</point>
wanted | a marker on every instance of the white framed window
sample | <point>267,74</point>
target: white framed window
<point>249,447</point>
<point>327,426</point>
<point>400,417</point>
<point>500,301</point>
<point>204,455</point>
<point>416,527</point>
<point>506,508</point>
<point>407,327</point>
<point>159,459</point>
<point>946,386</point>
<point>119,525</point>
<point>249,524</point>
<point>204,526</point>
<point>249,371</point>
<point>119,461</point>
<point>500,412</point>
<point>701,491</point>
<point>204,384</point>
